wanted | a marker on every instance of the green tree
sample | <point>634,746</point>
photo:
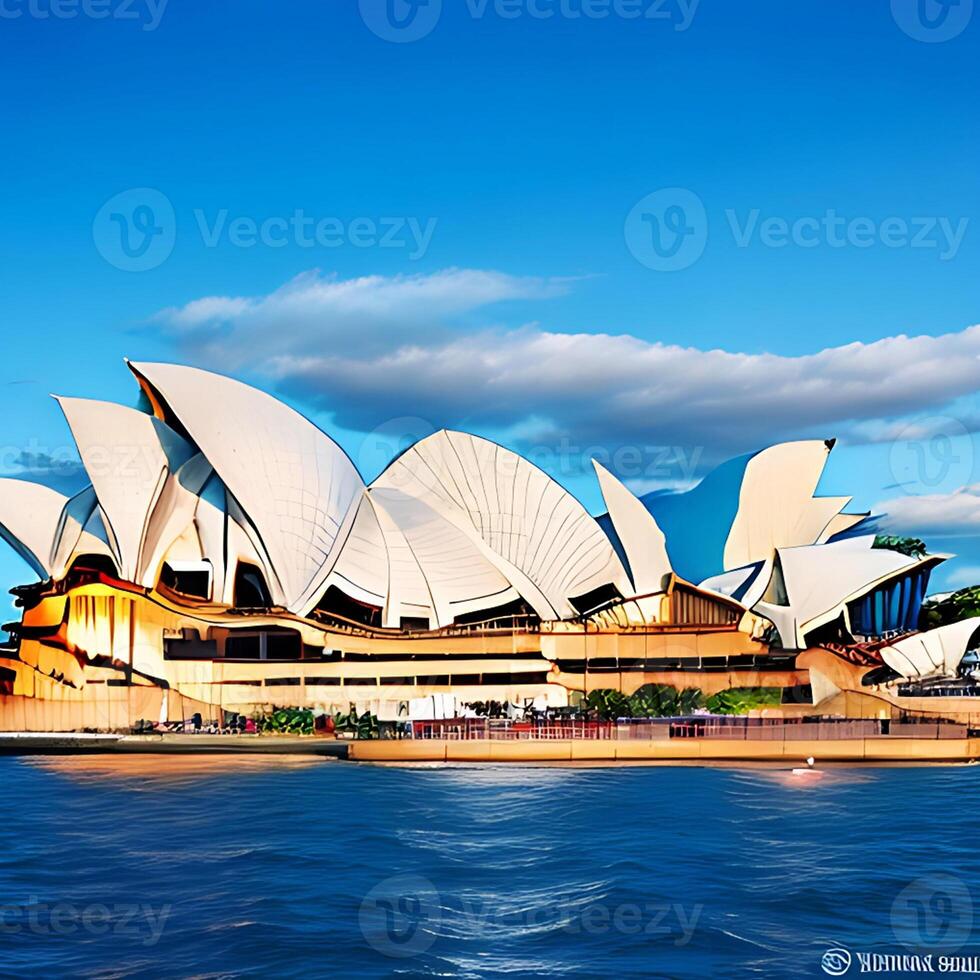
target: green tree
<point>950,609</point>
<point>913,547</point>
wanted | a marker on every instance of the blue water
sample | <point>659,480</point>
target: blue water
<point>225,868</point>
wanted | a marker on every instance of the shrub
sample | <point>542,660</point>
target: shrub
<point>913,547</point>
<point>650,701</point>
<point>742,700</point>
<point>285,721</point>
<point>963,604</point>
<point>360,726</point>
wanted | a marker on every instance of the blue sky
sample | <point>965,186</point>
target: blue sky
<point>459,229</point>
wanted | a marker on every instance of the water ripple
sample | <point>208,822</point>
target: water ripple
<point>260,867</point>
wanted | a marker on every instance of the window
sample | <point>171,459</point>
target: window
<point>339,604</point>
<point>190,647</point>
<point>190,578</point>
<point>244,647</point>
<point>280,645</point>
<point>251,591</point>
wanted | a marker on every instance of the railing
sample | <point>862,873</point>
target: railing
<point>463,729</point>
<point>517,623</point>
<point>731,728</point>
<point>943,729</point>
<point>964,690</point>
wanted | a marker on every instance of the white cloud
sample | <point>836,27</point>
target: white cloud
<point>955,513</point>
<point>963,576</point>
<point>314,313</point>
<point>374,348</point>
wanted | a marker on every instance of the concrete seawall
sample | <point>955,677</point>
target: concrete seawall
<point>857,750</point>
<point>78,744</point>
<point>881,749</point>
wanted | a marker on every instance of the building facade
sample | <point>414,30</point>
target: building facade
<point>227,556</point>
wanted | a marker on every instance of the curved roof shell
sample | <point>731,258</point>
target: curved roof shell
<point>537,536</point>
<point>297,486</point>
<point>29,516</point>
<point>935,653</point>
<point>819,580</point>
<point>81,531</point>
<point>776,503</point>
<point>129,457</point>
<point>643,543</point>
<point>747,507</point>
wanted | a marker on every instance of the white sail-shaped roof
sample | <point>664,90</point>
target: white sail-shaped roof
<point>49,530</point>
<point>460,575</point>
<point>820,579</point>
<point>538,536</point>
<point>935,653</point>
<point>129,457</point>
<point>298,488</point>
<point>362,570</point>
<point>744,585</point>
<point>776,506</point>
<point>29,516</point>
<point>638,532</point>
<point>838,524</point>
<point>81,530</point>
<point>172,514</point>
<point>408,593</point>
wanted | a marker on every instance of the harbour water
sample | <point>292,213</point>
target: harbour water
<point>246,866</point>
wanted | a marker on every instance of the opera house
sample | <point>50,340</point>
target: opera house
<point>227,555</point>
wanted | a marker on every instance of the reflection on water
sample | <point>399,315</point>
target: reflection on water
<point>292,866</point>
<point>168,767</point>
